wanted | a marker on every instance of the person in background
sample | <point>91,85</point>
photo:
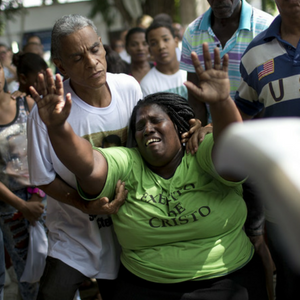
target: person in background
<point>229,25</point>
<point>124,55</point>
<point>20,204</point>
<point>138,49</point>
<point>179,31</point>
<point>117,45</point>
<point>34,45</point>
<point>115,64</point>
<point>166,75</point>
<point>9,70</point>
<point>28,65</point>
<point>166,18</point>
<point>270,70</point>
<point>181,226</point>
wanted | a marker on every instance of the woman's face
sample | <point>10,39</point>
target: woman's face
<point>137,47</point>
<point>156,136</point>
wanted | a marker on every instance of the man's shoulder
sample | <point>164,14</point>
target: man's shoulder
<point>195,26</point>
<point>258,13</point>
<point>121,79</point>
<point>261,19</point>
<point>153,73</point>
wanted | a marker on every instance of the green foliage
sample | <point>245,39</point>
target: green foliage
<point>176,17</point>
<point>8,10</point>
<point>105,8</point>
<point>269,6</point>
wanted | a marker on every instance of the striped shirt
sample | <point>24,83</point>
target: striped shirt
<point>252,22</point>
<point>270,70</point>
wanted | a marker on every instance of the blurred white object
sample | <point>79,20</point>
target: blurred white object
<point>269,151</point>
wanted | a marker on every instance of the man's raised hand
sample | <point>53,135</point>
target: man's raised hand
<point>49,96</point>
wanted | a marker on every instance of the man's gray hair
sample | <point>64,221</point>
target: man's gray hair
<point>65,26</point>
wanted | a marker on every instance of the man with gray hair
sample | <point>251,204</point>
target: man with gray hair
<point>81,246</point>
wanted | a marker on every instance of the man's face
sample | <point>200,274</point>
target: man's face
<point>288,8</point>
<point>224,9</point>
<point>162,45</point>
<point>83,60</point>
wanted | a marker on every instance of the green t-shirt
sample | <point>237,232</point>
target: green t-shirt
<point>188,227</point>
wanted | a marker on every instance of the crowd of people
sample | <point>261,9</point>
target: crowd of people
<point>111,143</point>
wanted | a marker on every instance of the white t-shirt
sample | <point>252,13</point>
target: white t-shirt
<point>86,243</point>
<point>155,81</point>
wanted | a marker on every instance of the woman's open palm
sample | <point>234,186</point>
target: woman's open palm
<point>214,83</point>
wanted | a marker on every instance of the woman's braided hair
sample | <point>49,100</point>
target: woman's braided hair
<point>175,106</point>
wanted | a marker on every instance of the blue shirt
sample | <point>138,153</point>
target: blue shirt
<point>270,71</point>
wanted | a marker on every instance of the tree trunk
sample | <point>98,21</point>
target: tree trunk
<point>154,7</point>
<point>124,12</point>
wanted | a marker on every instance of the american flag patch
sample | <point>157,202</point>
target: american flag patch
<point>265,69</point>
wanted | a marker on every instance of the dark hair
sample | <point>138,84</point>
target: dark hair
<point>159,24</point>
<point>175,106</point>
<point>133,31</point>
<point>32,36</point>
<point>163,17</point>
<point>115,64</point>
<point>28,62</point>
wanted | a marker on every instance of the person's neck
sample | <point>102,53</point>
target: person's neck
<point>100,97</point>
<point>4,98</point>
<point>139,69</point>
<point>290,30</point>
<point>168,69</point>
<point>168,170</point>
<point>226,27</point>
<point>139,65</point>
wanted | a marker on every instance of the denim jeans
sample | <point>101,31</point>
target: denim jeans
<point>2,266</point>
<point>287,277</point>
<point>16,238</point>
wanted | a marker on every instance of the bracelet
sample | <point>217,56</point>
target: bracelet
<point>36,190</point>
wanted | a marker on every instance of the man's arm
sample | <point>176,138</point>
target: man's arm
<point>62,192</point>
<point>198,107</point>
